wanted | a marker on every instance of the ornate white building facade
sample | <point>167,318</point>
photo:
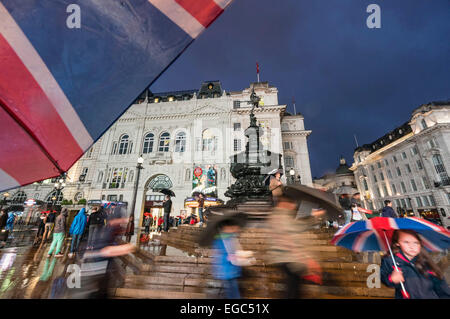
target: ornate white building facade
<point>409,166</point>
<point>176,132</point>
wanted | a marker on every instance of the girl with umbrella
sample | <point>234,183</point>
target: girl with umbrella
<point>421,277</point>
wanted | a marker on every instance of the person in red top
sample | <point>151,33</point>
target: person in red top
<point>160,222</point>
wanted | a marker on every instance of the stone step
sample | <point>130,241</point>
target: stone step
<point>156,294</point>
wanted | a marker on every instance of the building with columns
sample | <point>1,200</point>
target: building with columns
<point>186,139</point>
<point>409,166</point>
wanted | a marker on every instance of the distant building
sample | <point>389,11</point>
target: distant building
<point>410,166</point>
<point>340,182</point>
<point>186,139</point>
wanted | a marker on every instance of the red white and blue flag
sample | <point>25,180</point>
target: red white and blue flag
<point>369,235</point>
<point>62,87</point>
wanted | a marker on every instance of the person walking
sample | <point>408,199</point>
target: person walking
<point>388,211</point>
<point>130,228</point>
<point>77,230</point>
<point>421,277</point>
<point>201,205</point>
<point>287,250</point>
<point>49,225</point>
<point>167,205</point>
<point>3,219</point>
<point>41,229</point>
<point>344,201</point>
<point>95,224</point>
<point>58,234</point>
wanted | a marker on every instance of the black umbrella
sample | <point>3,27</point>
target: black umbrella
<point>215,221</point>
<point>166,191</point>
<point>325,200</point>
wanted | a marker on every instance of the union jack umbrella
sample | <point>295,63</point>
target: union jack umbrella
<point>376,234</point>
<point>68,71</point>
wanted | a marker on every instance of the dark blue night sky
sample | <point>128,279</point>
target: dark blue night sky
<point>346,79</point>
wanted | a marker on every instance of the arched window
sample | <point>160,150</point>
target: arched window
<point>114,148</point>
<point>180,142</point>
<point>164,142</point>
<point>148,143</point>
<point>209,141</point>
<point>124,144</point>
<point>19,197</point>
<point>58,197</point>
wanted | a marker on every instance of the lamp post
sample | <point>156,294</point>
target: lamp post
<point>140,161</point>
<point>292,173</point>
<point>59,185</point>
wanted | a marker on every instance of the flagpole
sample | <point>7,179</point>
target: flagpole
<point>405,294</point>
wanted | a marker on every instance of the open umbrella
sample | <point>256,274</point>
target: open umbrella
<point>376,234</point>
<point>196,194</point>
<point>166,191</point>
<point>325,200</point>
<point>69,101</point>
<point>272,173</point>
<point>216,218</point>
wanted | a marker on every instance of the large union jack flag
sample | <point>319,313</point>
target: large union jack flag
<point>61,88</point>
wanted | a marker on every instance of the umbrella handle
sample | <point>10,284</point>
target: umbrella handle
<point>404,292</point>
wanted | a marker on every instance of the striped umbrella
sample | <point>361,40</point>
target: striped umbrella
<point>376,234</point>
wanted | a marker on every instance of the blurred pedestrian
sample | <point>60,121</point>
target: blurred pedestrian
<point>147,221</point>
<point>287,250</point>
<point>344,201</point>
<point>3,219</point>
<point>224,266</point>
<point>49,225</point>
<point>356,203</point>
<point>58,234</point>
<point>167,205</point>
<point>201,205</point>
<point>95,224</point>
<point>130,228</point>
<point>76,230</point>
<point>388,211</point>
<point>160,224</point>
<point>41,228</point>
<point>421,277</point>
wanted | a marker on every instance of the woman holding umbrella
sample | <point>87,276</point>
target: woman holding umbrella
<point>421,277</point>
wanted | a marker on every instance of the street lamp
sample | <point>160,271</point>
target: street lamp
<point>59,185</point>
<point>140,161</point>
<point>292,173</point>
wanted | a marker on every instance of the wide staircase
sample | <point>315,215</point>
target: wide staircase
<point>173,266</point>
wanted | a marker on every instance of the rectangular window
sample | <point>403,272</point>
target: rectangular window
<point>379,164</point>
<point>394,189</point>
<point>403,155</point>
<point>419,164</point>
<point>378,191</point>
<point>287,145</point>
<point>236,104</point>
<point>112,198</point>
<point>425,183</point>
<point>237,145</point>
<point>397,203</point>
<point>366,187</point>
<point>237,126</point>
<point>386,162</point>
<point>432,201</point>
<point>403,187</point>
<point>399,172</point>
<point>389,173</point>
<point>413,185</point>
<point>372,168</point>
<point>385,191</point>
<point>419,202</point>
<point>414,150</point>
<point>403,202</point>
<point>408,168</point>
<point>394,158</point>
<point>448,197</point>
<point>382,176</point>
<point>375,178</point>
<point>425,201</point>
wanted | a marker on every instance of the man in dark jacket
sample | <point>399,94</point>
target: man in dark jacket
<point>167,205</point>
<point>388,211</point>
<point>95,223</point>
<point>346,204</point>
